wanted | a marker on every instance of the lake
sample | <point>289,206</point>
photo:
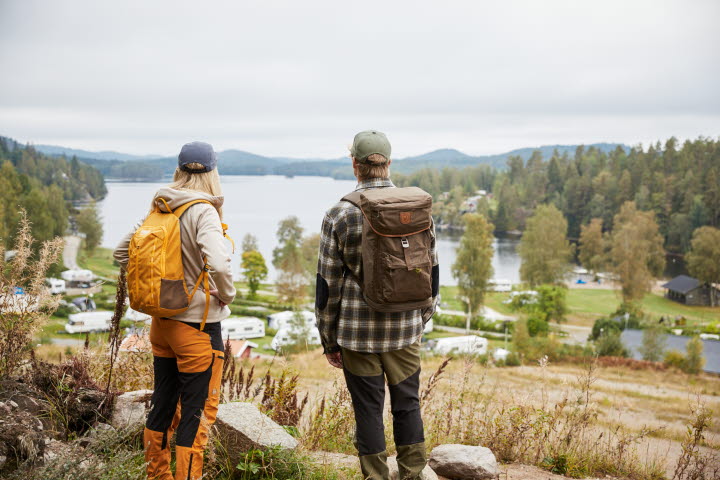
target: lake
<point>256,204</point>
<point>711,348</point>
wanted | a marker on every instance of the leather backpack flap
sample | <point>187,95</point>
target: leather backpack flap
<point>397,212</point>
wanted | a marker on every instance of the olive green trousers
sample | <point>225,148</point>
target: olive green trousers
<point>366,375</point>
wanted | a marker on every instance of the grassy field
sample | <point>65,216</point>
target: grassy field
<point>586,305</point>
<point>100,261</point>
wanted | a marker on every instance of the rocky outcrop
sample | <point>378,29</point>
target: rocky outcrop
<point>131,408</point>
<point>242,427</point>
<point>464,462</point>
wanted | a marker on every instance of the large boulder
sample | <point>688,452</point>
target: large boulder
<point>131,408</point>
<point>242,427</point>
<point>464,462</point>
<point>426,474</point>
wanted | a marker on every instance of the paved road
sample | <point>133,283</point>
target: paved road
<point>70,252</point>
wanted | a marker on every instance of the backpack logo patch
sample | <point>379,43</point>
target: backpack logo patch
<point>405,217</point>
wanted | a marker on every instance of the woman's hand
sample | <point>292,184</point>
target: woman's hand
<point>214,293</point>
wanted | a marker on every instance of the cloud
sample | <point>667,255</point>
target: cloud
<point>299,78</point>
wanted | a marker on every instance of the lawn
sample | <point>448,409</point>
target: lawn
<point>101,262</point>
<point>586,305</point>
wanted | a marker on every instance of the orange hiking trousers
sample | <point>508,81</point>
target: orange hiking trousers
<point>188,366</point>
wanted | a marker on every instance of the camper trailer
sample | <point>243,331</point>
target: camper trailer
<point>500,285</point>
<point>55,285</point>
<point>87,322</point>
<point>283,338</point>
<point>242,328</point>
<point>428,326</point>
<point>135,316</point>
<point>78,278</point>
<point>466,344</point>
<point>280,320</point>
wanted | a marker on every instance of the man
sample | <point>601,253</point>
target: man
<point>371,346</point>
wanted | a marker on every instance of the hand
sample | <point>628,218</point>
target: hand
<point>214,293</point>
<point>334,359</point>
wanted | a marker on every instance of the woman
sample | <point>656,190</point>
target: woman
<point>187,348</point>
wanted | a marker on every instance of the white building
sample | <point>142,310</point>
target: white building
<point>467,344</point>
<point>284,338</point>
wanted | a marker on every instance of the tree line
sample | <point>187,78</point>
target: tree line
<point>44,187</point>
<point>679,184</point>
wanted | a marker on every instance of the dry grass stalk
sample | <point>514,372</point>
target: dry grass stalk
<point>21,315</point>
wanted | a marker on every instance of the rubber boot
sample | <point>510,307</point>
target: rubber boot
<point>411,461</point>
<point>374,467</point>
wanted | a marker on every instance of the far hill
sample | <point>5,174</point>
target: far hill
<point>238,162</point>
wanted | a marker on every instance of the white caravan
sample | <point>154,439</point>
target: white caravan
<point>280,320</point>
<point>242,328</point>
<point>283,338</point>
<point>89,322</point>
<point>467,344</point>
<point>135,316</point>
<point>56,285</point>
<point>500,285</point>
<point>428,326</point>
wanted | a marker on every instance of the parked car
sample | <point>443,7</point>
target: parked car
<point>89,322</point>
<point>242,328</point>
<point>467,344</point>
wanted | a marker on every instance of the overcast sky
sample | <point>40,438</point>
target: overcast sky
<point>299,78</point>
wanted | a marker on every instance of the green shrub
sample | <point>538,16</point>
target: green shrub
<point>512,360</point>
<point>694,359</point>
<point>675,358</point>
<point>604,325</point>
<point>537,327</point>
<point>279,464</point>
<point>611,345</point>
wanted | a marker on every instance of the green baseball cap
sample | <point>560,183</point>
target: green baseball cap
<point>369,142</point>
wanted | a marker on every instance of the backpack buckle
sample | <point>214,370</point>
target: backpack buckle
<point>405,243</point>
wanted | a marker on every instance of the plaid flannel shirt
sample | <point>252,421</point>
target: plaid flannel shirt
<point>346,320</point>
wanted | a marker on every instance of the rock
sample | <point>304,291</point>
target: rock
<point>242,427</point>
<point>131,408</point>
<point>426,474</point>
<point>464,462</point>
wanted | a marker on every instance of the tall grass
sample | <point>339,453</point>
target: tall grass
<point>21,315</point>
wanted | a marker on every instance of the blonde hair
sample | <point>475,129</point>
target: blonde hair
<point>205,182</point>
<point>377,166</point>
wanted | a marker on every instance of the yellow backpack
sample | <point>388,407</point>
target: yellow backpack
<point>155,275</point>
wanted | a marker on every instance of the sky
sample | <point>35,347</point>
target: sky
<point>300,78</point>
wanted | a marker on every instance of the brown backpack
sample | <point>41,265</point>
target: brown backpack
<point>397,260</point>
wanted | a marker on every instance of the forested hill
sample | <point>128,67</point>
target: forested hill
<point>679,183</point>
<point>44,186</point>
<point>238,162</point>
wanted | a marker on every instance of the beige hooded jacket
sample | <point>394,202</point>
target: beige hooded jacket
<point>201,236</point>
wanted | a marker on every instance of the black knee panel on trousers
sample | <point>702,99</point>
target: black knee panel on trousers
<point>368,398</point>
<point>194,388</point>
<point>165,396</point>
<point>405,406</point>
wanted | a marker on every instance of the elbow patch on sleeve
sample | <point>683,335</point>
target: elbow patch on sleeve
<point>435,280</point>
<point>322,293</point>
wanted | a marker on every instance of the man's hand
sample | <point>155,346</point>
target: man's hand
<point>334,359</point>
<point>214,293</point>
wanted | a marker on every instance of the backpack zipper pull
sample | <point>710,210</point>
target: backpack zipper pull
<point>405,243</point>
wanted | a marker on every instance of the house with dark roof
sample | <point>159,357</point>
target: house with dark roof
<point>690,291</point>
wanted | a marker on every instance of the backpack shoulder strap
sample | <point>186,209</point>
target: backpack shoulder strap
<point>182,208</point>
<point>353,198</point>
